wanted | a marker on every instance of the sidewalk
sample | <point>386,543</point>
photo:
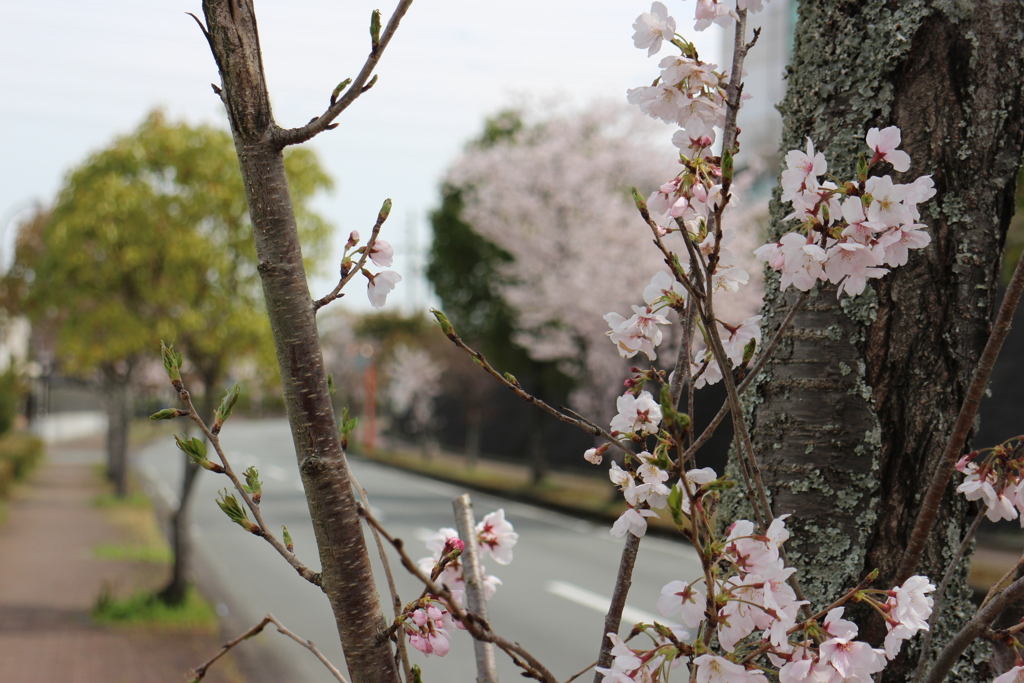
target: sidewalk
<point>49,581</point>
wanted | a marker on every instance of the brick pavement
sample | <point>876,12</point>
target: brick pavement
<point>49,580</point>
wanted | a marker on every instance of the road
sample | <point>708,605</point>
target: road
<point>552,598</point>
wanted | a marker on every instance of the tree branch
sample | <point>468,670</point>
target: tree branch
<point>584,424</point>
<point>264,531</point>
<point>614,617</point>
<point>974,628</point>
<point>396,600</point>
<point>926,643</point>
<point>294,136</point>
<point>477,627</point>
<point>486,668</point>
<point>962,426</point>
<point>201,671</point>
<point>346,276</point>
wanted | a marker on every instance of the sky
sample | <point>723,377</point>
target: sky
<point>73,75</point>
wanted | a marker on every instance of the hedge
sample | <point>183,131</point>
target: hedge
<point>18,454</point>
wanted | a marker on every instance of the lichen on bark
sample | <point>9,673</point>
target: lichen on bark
<point>855,408</point>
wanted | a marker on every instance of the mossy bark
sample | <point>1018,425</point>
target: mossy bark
<point>346,575</point>
<point>851,415</point>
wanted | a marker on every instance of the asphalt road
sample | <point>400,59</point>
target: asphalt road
<point>552,598</point>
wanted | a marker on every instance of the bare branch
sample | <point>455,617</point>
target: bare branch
<point>486,667</point>
<point>964,422</point>
<point>584,424</point>
<point>396,600</point>
<point>477,626</point>
<point>347,275</point>
<point>765,356</point>
<point>614,617</point>
<point>926,644</point>
<point>201,671</point>
<point>263,530</point>
<point>974,628</point>
<point>360,84</point>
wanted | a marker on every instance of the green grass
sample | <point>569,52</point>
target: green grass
<point>145,609</point>
<point>132,500</point>
<point>124,552</point>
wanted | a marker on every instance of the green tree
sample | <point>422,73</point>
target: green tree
<point>150,239</point>
<point>465,270</point>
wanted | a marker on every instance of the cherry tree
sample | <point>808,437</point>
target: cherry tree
<point>845,226</point>
<point>553,195</point>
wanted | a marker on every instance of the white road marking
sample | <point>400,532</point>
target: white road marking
<point>599,603</point>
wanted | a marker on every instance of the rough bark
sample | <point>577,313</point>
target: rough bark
<point>347,577</point>
<point>851,415</point>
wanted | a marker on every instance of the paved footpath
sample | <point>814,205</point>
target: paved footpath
<point>49,580</point>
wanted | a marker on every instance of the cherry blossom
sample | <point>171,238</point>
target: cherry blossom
<point>428,630</point>
<point>634,521</point>
<point>382,254</point>
<point>714,669</point>
<point>497,537</point>
<point>679,597</point>
<point>637,415</point>
<point>884,143</point>
<point>1014,675</point>
<point>380,285</point>
<point>652,28</point>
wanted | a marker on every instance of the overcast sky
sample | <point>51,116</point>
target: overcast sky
<point>75,74</point>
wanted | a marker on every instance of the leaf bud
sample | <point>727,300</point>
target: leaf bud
<point>253,485</point>
<point>288,543</point>
<point>172,364</point>
<point>235,512</point>
<point>442,320</point>
<point>348,425</point>
<point>511,379</point>
<point>385,210</point>
<point>375,29</point>
<point>748,351</point>
<point>727,166</point>
<point>168,414</point>
<point>337,90</point>
<point>641,205</point>
<point>227,404</point>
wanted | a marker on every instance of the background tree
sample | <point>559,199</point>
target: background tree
<point>863,393</point>
<point>150,239</point>
<point>528,249</point>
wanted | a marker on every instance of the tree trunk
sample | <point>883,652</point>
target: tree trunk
<point>851,416</point>
<point>346,573</point>
<point>181,540</point>
<point>115,385</point>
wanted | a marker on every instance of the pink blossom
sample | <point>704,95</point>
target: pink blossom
<point>887,201</point>
<point>884,143</point>
<point>652,28</point>
<point>713,669</point>
<point>382,254</point>
<point>709,11</point>
<point>380,285</point>
<point>634,521</point>
<point>637,414</point>
<point>497,537</point>
<point>679,597</point>
<point>1014,675</point>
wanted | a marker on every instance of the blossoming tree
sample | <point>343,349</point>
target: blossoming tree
<point>760,607</point>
